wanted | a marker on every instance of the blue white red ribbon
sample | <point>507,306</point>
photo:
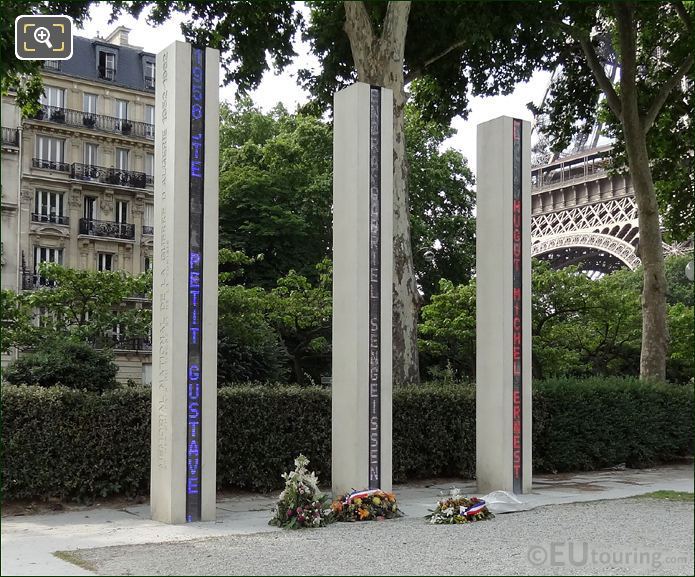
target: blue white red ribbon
<point>359,495</point>
<point>474,509</point>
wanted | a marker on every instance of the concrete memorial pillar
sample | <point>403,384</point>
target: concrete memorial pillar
<point>184,303</point>
<point>362,288</point>
<point>503,306</point>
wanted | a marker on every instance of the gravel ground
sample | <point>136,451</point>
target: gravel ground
<point>621,537</point>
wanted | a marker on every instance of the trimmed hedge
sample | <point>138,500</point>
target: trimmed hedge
<point>76,444</point>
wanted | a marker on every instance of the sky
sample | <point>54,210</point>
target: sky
<point>285,88</point>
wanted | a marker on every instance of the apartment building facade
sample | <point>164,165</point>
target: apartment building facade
<point>77,179</point>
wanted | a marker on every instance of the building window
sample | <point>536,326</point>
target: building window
<point>53,97</point>
<point>149,165</point>
<point>147,264</point>
<point>89,103</point>
<point>148,219</point>
<point>90,154</point>
<point>122,158</point>
<point>147,374</point>
<point>104,261</point>
<point>149,74</point>
<point>122,211</point>
<point>107,65</point>
<point>122,123</point>
<point>90,207</point>
<point>45,254</point>
<point>149,121</point>
<point>51,64</point>
<point>48,207</point>
<point>50,152</point>
<point>122,109</point>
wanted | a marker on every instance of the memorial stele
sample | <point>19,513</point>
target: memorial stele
<point>503,306</point>
<point>184,300</point>
<point>362,288</point>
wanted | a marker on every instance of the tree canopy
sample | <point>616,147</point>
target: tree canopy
<point>652,43</point>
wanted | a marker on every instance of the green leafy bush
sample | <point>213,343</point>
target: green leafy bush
<point>598,422</point>
<point>70,443</point>
<point>62,442</point>
<point>73,364</point>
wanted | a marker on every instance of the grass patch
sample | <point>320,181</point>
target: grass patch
<point>75,559</point>
<point>670,496</point>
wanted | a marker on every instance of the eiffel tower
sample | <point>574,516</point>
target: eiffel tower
<point>582,213</point>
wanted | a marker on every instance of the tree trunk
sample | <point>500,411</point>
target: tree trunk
<point>654,326</point>
<point>379,60</point>
<point>297,368</point>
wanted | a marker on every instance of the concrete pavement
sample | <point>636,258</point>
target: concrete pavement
<point>28,542</point>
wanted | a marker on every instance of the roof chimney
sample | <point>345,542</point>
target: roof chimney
<point>119,36</point>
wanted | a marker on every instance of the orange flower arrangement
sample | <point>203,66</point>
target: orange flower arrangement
<point>373,505</point>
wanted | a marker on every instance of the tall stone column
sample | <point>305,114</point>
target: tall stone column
<point>184,303</point>
<point>362,288</point>
<point>503,306</point>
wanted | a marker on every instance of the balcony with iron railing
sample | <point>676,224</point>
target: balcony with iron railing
<point>147,230</point>
<point>50,164</point>
<point>107,228</point>
<point>93,121</point>
<point>115,176</point>
<point>149,82</point>
<point>107,73</point>
<point>121,342</point>
<point>10,136</point>
<point>33,281</point>
<point>100,174</point>
<point>50,218</point>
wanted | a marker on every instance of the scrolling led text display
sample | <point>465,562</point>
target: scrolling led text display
<point>195,285</point>
<point>374,287</point>
<point>516,308</point>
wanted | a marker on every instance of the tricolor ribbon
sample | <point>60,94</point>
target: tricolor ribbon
<point>473,509</point>
<point>359,495</point>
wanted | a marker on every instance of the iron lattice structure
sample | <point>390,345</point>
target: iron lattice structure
<point>584,215</point>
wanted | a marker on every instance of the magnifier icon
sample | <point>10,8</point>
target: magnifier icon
<point>43,36</point>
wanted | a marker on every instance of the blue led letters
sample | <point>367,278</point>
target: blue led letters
<point>195,286</point>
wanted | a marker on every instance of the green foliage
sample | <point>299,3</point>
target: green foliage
<point>76,444</point>
<point>441,204</point>
<point>600,422</point>
<point>479,48</point>
<point>264,332</point>
<point>433,431</point>
<point>447,330</point>
<point>249,34</point>
<point>24,75</point>
<point>669,496</point>
<point>248,348</point>
<point>574,98</point>
<point>584,327</point>
<point>580,327</point>
<point>681,363</point>
<point>679,289</point>
<point>275,191</point>
<point>276,196</point>
<point>261,429</point>
<point>301,313</point>
<point>80,305</point>
<point>15,319</point>
<point>73,364</point>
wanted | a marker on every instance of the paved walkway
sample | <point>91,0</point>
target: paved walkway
<point>28,542</point>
